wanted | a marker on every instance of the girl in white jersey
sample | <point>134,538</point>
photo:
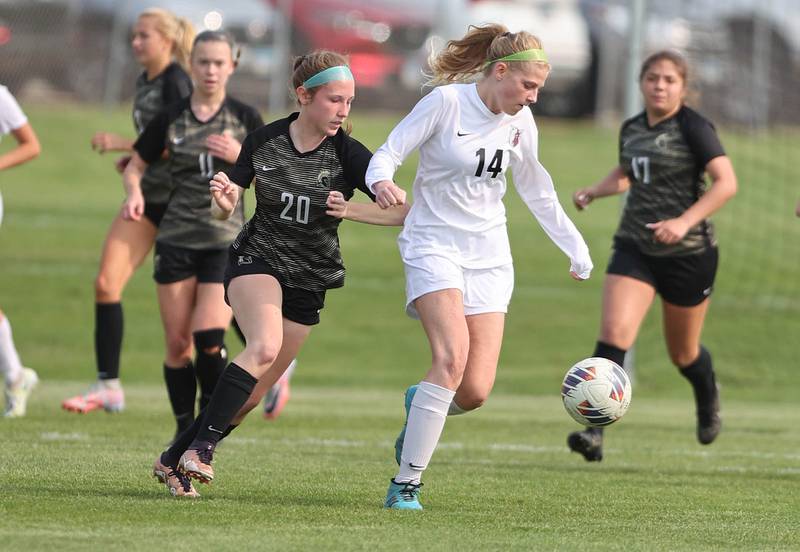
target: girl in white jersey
<point>454,245</point>
<point>18,379</point>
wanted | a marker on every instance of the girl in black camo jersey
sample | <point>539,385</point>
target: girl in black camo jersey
<point>161,43</point>
<point>665,243</point>
<point>200,134</point>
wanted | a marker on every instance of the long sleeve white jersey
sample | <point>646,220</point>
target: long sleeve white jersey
<point>464,153</point>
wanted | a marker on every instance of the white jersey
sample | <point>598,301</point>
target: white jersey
<point>465,151</point>
<point>11,116</point>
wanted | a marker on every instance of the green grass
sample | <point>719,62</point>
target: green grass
<point>315,479</point>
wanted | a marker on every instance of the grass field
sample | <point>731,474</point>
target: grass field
<point>502,479</point>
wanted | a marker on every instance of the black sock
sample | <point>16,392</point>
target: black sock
<point>233,389</point>
<point>107,338</point>
<point>612,353</point>
<point>229,431</point>
<point>700,374</point>
<point>209,366</point>
<point>181,388</point>
<point>182,441</point>
<point>238,330</point>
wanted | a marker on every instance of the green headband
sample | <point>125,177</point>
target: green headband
<point>534,54</point>
<point>338,73</point>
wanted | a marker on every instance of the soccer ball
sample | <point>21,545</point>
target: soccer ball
<point>596,392</point>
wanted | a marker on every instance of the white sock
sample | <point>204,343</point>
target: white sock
<point>10,365</point>
<point>425,423</point>
<point>455,410</point>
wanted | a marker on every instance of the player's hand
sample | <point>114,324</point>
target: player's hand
<point>224,147</point>
<point>582,198</point>
<point>223,191</point>
<point>133,207</point>
<point>105,141</point>
<point>121,163</point>
<point>337,205</point>
<point>797,209</point>
<point>668,231</point>
<point>387,193</point>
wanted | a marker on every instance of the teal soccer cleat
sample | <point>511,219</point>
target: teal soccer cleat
<point>403,496</point>
<point>398,444</point>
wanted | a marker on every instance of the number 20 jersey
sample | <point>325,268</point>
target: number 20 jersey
<point>289,229</point>
<point>465,151</point>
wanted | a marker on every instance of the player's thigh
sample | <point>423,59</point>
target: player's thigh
<point>485,341</point>
<point>626,301</point>
<point>126,245</point>
<point>210,309</point>
<point>683,327</point>
<point>176,304</point>
<point>442,315</point>
<point>256,302</point>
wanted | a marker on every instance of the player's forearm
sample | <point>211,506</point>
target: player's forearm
<point>614,183</point>
<point>132,176</point>
<point>723,187</point>
<point>370,213</point>
<point>20,154</point>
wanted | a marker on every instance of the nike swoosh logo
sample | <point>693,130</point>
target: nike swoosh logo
<point>463,133</point>
<point>415,467</point>
<point>215,430</point>
<point>265,168</point>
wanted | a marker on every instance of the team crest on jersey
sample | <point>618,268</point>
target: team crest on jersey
<point>662,141</point>
<point>513,137</point>
<point>324,178</point>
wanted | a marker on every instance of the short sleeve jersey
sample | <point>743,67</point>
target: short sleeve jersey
<point>187,221</point>
<point>290,230</point>
<point>11,115</point>
<point>152,96</point>
<point>666,167</point>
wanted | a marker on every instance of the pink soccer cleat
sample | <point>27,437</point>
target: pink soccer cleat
<point>99,395</point>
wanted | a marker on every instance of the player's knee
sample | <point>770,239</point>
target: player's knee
<point>105,289</point>
<point>209,341</point>
<point>451,364</point>
<point>263,353</point>
<point>179,346</point>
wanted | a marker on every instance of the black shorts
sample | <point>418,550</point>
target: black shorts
<point>173,264</point>
<point>684,281</point>
<point>155,212</point>
<point>299,305</point>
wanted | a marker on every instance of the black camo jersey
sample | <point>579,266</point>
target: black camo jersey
<point>290,230</point>
<point>187,221</point>
<point>171,85</point>
<point>666,167</point>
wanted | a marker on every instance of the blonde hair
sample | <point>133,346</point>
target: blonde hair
<point>176,29</point>
<point>463,59</point>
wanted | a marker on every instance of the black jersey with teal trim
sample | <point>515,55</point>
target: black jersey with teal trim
<point>666,167</point>
<point>169,86</point>
<point>187,221</point>
<point>290,230</point>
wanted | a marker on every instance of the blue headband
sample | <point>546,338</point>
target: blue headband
<point>338,73</point>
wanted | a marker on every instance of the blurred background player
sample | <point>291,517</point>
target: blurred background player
<point>665,243</point>
<point>19,381</point>
<point>287,256</point>
<point>454,244</point>
<point>161,44</point>
<point>201,133</point>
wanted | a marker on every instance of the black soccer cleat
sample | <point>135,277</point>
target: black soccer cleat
<point>587,443</point>
<point>709,422</point>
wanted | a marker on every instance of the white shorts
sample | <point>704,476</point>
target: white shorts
<point>484,289</point>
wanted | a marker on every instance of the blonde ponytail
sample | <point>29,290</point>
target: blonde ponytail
<point>176,29</point>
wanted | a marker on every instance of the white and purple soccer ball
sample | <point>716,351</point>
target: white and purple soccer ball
<point>596,392</point>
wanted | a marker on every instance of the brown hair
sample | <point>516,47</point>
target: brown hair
<point>462,59</point>
<point>177,29</point>
<point>220,36</point>
<point>667,55</point>
<point>306,66</point>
